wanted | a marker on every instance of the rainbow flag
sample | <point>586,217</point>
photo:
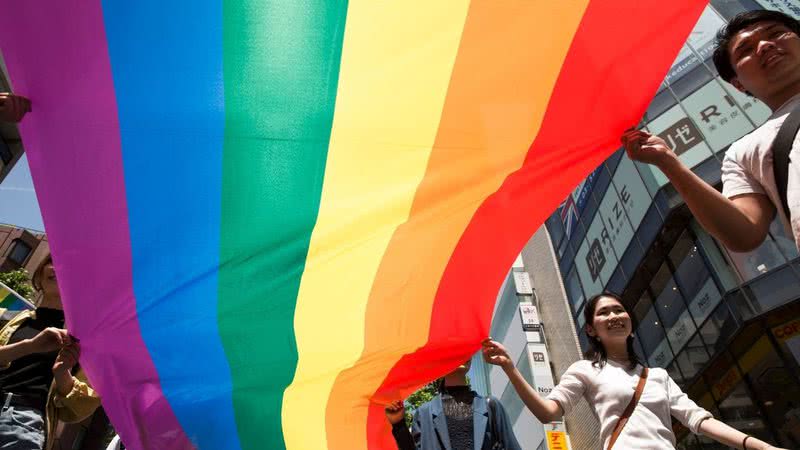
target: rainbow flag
<point>271,217</point>
<point>11,301</point>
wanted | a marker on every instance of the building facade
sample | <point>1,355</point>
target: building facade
<point>21,248</point>
<point>725,325</point>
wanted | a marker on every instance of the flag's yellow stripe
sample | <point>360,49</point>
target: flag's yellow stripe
<point>396,64</point>
<point>509,59</point>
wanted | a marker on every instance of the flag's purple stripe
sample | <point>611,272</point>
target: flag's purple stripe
<point>56,53</point>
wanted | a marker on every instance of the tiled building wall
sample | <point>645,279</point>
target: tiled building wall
<point>539,259</point>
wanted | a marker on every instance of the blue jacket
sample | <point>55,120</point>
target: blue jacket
<point>429,428</point>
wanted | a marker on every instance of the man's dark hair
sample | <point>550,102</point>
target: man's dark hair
<point>722,58</point>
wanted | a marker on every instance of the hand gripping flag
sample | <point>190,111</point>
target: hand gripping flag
<point>271,217</point>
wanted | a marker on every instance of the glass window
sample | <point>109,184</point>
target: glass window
<point>555,228</point>
<point>583,341</point>
<point>776,289</point>
<point>711,252</point>
<point>758,262</point>
<point>580,320</point>
<point>672,310</point>
<point>651,334</point>
<point>19,252</point>
<point>574,291</point>
<point>675,373</point>
<point>690,269</point>
<point>693,357</point>
<point>730,8</point>
<point>661,102</point>
<point>785,244</point>
<point>738,408</point>
<point>568,257</point>
<point>775,386</point>
<point>691,81</point>
<point>716,331</point>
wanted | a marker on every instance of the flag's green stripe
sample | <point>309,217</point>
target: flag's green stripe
<point>281,65</point>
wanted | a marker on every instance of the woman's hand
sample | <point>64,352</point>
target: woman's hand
<point>49,340</point>
<point>494,353</point>
<point>396,412</point>
<point>66,360</point>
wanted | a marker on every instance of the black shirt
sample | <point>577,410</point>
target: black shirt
<point>457,405</point>
<point>31,375</point>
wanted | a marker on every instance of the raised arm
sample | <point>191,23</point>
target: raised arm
<point>48,340</point>
<point>731,437</point>
<point>700,421</point>
<point>544,409</point>
<point>741,223</point>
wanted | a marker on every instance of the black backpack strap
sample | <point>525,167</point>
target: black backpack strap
<point>781,147</point>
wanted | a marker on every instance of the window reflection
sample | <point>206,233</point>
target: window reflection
<point>693,357</point>
<point>758,262</point>
<point>651,333</point>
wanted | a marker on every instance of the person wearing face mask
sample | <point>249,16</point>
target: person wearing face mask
<point>632,402</point>
<point>40,382</point>
<point>456,419</point>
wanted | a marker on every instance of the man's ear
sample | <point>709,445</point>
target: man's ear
<point>739,87</point>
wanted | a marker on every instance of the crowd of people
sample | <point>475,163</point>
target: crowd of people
<point>758,53</point>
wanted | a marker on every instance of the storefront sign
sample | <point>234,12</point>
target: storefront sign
<point>595,258</point>
<point>557,440</point>
<point>726,384</point>
<point>716,115</point>
<point>789,333</point>
<point>530,317</point>
<point>522,281</point>
<point>675,127</point>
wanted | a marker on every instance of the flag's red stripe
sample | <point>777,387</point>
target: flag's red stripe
<point>616,62</point>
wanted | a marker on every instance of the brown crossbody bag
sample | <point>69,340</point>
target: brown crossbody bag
<point>629,409</point>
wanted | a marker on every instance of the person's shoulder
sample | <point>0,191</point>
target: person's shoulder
<point>583,366</point>
<point>739,147</point>
<point>657,373</point>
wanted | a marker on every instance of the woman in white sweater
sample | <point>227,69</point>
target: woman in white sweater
<point>608,378</point>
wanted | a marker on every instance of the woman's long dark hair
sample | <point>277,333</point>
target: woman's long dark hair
<point>596,352</point>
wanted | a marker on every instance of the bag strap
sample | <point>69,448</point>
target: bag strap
<point>629,409</point>
<point>781,147</point>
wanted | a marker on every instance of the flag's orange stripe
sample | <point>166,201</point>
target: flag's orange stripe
<point>607,80</point>
<point>508,62</point>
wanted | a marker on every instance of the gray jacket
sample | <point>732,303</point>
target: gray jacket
<point>429,428</point>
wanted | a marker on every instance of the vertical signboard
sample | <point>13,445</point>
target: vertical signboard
<point>530,317</point>
<point>556,440</point>
<point>595,258</point>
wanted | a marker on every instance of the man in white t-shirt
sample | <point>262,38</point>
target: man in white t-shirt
<point>758,53</point>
